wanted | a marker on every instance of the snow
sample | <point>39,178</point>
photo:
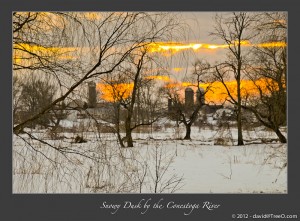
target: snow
<point>67,123</point>
<point>227,112</point>
<point>220,169</point>
<point>203,166</point>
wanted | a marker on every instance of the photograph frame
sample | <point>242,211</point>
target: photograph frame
<point>88,206</point>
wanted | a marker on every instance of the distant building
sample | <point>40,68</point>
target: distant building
<point>189,98</point>
<point>210,109</point>
<point>104,111</point>
<point>92,94</point>
<point>77,103</point>
<point>189,103</point>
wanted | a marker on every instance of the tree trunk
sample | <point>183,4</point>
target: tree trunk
<point>117,123</point>
<point>128,132</point>
<point>281,137</point>
<point>188,132</point>
<point>240,132</point>
<point>239,114</point>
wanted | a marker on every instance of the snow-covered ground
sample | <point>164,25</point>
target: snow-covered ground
<point>158,162</point>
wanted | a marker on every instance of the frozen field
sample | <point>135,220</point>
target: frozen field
<point>158,162</point>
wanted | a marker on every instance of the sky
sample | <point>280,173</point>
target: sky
<point>180,63</point>
<point>201,24</point>
<point>203,45</point>
<point>195,43</point>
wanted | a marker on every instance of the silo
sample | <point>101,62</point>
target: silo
<point>200,96</point>
<point>189,97</point>
<point>92,95</point>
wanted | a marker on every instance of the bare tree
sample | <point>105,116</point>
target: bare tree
<point>94,47</point>
<point>161,182</point>
<point>35,94</point>
<point>234,32</point>
<point>268,73</point>
<point>186,113</point>
<point>129,107</point>
<point>132,94</point>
